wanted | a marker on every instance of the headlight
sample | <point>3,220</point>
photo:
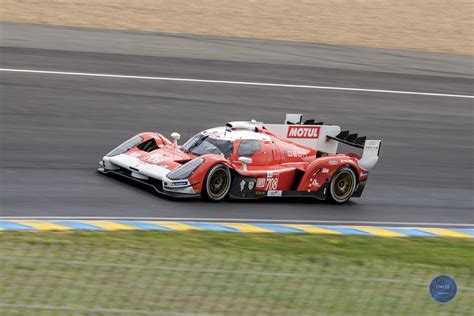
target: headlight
<point>186,170</point>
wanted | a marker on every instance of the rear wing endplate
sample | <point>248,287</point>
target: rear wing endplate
<point>370,156</point>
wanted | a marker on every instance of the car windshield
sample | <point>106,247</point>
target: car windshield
<point>201,144</point>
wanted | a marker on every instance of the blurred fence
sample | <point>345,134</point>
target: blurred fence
<point>86,276</point>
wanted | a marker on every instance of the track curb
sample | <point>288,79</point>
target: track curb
<point>234,227</point>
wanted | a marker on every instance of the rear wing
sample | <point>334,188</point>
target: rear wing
<point>324,138</point>
<point>349,139</point>
<point>309,135</point>
<point>343,137</point>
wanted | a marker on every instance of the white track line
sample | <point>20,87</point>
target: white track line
<point>242,220</point>
<point>264,84</point>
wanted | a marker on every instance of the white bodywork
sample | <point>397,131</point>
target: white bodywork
<point>142,171</point>
<point>315,140</point>
<point>370,156</point>
<point>133,164</point>
<point>245,130</point>
<point>313,136</point>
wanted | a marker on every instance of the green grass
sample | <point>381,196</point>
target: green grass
<point>224,273</point>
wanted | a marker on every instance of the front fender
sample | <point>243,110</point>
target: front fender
<point>159,138</point>
<point>132,143</point>
<point>210,160</point>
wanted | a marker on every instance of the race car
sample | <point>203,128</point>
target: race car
<point>249,160</point>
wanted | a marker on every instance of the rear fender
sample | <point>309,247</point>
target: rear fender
<point>320,171</point>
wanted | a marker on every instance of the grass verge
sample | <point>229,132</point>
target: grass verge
<point>205,272</point>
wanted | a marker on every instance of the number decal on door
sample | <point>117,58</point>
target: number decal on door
<point>272,181</point>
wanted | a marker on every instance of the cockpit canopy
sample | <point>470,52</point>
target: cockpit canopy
<point>219,140</point>
<point>201,144</point>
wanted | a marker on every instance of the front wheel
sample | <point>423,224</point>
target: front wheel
<point>342,186</point>
<point>217,183</point>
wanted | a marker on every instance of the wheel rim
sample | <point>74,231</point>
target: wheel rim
<point>343,185</point>
<point>218,183</point>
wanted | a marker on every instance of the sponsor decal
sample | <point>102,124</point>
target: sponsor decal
<point>314,183</point>
<point>294,153</point>
<point>333,162</point>
<point>154,158</point>
<point>176,183</point>
<point>268,183</point>
<point>372,145</point>
<point>274,193</point>
<point>346,160</point>
<point>250,185</point>
<point>261,183</point>
<point>364,173</point>
<point>298,131</point>
<point>325,170</point>
<point>242,185</point>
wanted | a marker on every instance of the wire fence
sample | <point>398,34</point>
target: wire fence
<point>87,276</point>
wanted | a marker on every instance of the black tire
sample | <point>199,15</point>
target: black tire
<point>216,183</point>
<point>342,185</point>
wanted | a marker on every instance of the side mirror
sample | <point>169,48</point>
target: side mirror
<point>176,137</point>
<point>245,161</point>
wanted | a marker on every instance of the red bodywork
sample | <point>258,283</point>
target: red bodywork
<point>281,166</point>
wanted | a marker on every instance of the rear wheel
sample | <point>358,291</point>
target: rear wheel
<point>217,183</point>
<point>342,185</point>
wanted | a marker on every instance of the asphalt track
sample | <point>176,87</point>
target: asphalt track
<point>55,127</point>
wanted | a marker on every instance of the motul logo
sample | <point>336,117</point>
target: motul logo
<point>303,132</point>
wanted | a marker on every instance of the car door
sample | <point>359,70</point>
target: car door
<point>252,148</point>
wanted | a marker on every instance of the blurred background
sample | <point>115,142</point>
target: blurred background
<point>441,26</point>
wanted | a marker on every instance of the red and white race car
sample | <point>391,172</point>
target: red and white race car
<point>248,160</point>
